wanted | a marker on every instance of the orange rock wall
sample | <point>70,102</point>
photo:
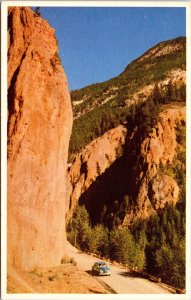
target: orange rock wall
<point>157,189</point>
<point>92,162</point>
<point>39,128</point>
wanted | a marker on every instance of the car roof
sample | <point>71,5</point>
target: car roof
<point>100,262</point>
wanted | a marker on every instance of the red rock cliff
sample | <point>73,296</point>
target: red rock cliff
<point>160,148</point>
<point>91,162</point>
<point>39,128</point>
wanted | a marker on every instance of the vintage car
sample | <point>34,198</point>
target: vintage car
<point>101,268</point>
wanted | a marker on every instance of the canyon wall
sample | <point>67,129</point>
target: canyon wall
<point>39,129</point>
<point>158,151</point>
<point>110,169</point>
<point>93,161</point>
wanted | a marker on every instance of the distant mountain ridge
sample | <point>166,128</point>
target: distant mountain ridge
<point>172,54</point>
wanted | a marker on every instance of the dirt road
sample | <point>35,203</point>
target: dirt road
<point>121,281</point>
<point>63,279</point>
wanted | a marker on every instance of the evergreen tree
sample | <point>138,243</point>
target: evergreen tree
<point>122,246</point>
<point>170,264</point>
<point>169,92</point>
<point>99,240</point>
<point>79,230</point>
<point>164,260</point>
<point>37,11</point>
<point>156,95</point>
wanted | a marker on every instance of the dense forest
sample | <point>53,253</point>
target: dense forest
<point>156,246</point>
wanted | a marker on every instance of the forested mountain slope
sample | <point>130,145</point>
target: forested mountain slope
<point>127,170</point>
<point>100,107</point>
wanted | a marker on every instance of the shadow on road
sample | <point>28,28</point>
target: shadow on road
<point>96,292</point>
<point>132,274</point>
<point>90,272</point>
<point>105,285</point>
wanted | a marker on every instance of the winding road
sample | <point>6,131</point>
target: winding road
<point>121,281</point>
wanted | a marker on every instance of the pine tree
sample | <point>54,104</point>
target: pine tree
<point>169,92</point>
<point>37,11</point>
<point>99,241</point>
<point>156,95</point>
<point>79,229</point>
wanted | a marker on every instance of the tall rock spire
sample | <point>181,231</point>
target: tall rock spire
<point>39,128</point>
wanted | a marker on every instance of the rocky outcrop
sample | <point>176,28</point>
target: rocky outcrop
<point>39,128</point>
<point>160,147</point>
<point>97,170</point>
<point>155,188</point>
<point>93,161</point>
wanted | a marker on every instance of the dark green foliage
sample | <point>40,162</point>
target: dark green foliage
<point>100,240</point>
<point>156,246</point>
<point>82,235</point>
<point>165,233</point>
<point>119,244</point>
<point>181,134</point>
<point>93,124</point>
<point>156,95</point>
<point>144,115</point>
<point>172,249</point>
<point>163,237</point>
<point>170,263</point>
<point>169,92</point>
<point>79,230</point>
<point>122,248</point>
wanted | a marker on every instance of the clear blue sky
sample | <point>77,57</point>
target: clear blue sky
<point>96,44</point>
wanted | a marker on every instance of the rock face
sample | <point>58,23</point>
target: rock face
<point>39,128</point>
<point>155,188</point>
<point>92,162</point>
<point>90,180</point>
